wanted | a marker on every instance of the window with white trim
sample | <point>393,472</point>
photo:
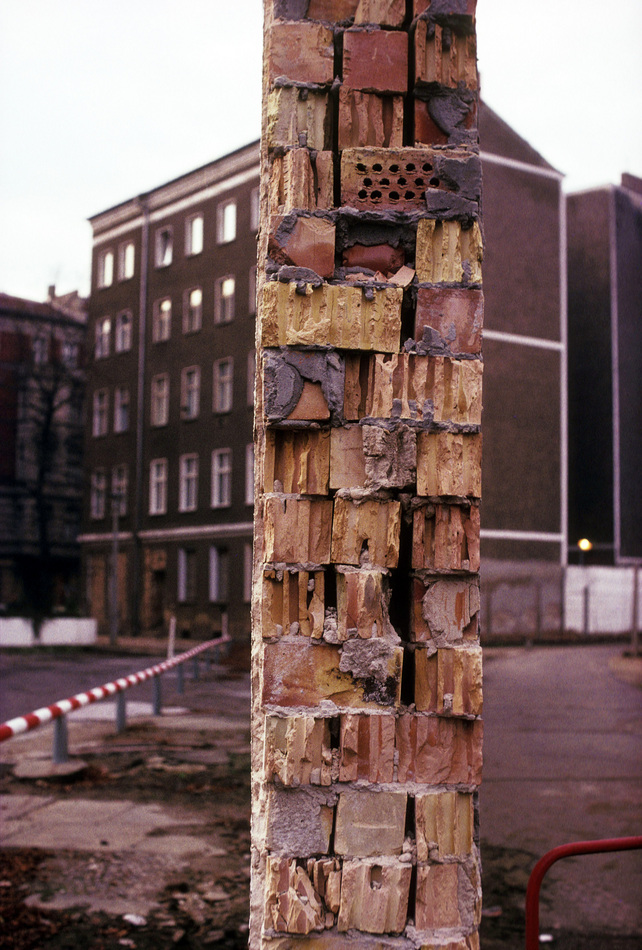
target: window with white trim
<point>255,204</point>
<point>98,494</point>
<point>251,373</point>
<point>158,487</point>
<point>164,247</point>
<point>126,259</point>
<point>40,350</point>
<point>192,310</point>
<point>123,332</point>
<point>121,409</point>
<point>190,392</point>
<point>221,478</point>
<point>219,574</point>
<point>249,473</point>
<point>100,421</point>
<point>186,575</point>
<point>105,268</point>
<point>160,400</point>
<point>188,482</point>
<point>102,338</point>
<point>70,353</point>
<point>224,300</point>
<point>226,222</point>
<point>194,235</point>
<point>223,385</point>
<point>162,320</point>
<point>251,297</point>
<point>247,572</point>
<point>119,484</point>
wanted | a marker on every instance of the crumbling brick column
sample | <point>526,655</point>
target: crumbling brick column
<point>366,659</point>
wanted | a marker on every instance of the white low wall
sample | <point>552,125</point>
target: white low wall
<point>63,631</point>
<point>600,599</point>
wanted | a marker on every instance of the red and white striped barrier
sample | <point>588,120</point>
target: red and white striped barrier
<point>14,727</point>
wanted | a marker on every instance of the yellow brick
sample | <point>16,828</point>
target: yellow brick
<point>446,253</point>
<point>449,464</point>
<point>444,825</point>
<point>299,460</point>
<point>290,116</point>
<point>366,532</point>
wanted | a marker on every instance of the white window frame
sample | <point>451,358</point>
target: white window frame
<point>121,409</point>
<point>224,299</point>
<point>98,494</point>
<point>40,350</point>
<point>162,320</point>
<point>221,478</point>
<point>158,487</point>
<point>105,275</point>
<point>188,482</point>
<point>126,260</point>
<point>192,313</point>
<point>159,405</point>
<point>247,572</point>
<point>119,487</point>
<point>123,332</point>
<point>223,385</point>
<point>100,413</point>
<point>194,231</point>
<point>164,246</point>
<point>102,342</point>
<point>255,207</point>
<point>190,392</point>
<point>226,222</point>
<point>186,584</point>
<point>219,572</point>
<point>249,473</point>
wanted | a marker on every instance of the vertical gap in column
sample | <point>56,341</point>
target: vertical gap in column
<point>409,104</point>
<point>334,100</point>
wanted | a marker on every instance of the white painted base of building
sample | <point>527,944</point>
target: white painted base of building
<point>600,599</point>
<point>61,631</point>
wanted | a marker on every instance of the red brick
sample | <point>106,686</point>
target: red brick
<point>297,530</point>
<point>382,12</point>
<point>449,681</point>
<point>439,751</point>
<point>446,538</point>
<point>310,243</point>
<point>374,899</point>
<point>454,8</point>
<point>367,747</point>
<point>445,610</point>
<point>375,61</point>
<point>452,63</point>
<point>303,52</point>
<point>456,314</point>
<point>427,132</point>
<point>379,257</point>
<point>369,119</point>
<point>331,10</point>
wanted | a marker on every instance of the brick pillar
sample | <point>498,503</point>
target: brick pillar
<point>366,658</point>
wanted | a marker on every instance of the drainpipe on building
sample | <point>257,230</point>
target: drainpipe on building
<point>140,418</point>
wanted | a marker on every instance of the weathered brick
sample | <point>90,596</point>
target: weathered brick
<point>297,530</point>
<point>449,463</point>
<point>456,314</point>
<point>448,253</point>
<point>444,825</point>
<point>439,751</point>
<point>383,12</point>
<point>362,604</point>
<point>366,532</point>
<point>370,823</point>
<point>332,10</point>
<point>374,897</point>
<point>291,903</point>
<point>336,315</point>
<point>333,940</point>
<point>297,461</point>
<point>302,52</point>
<point>367,747</point>
<point>285,393</point>
<point>375,60</point>
<point>447,8</point>
<point>446,538</point>
<point>302,181</point>
<point>445,117</point>
<point>377,665</point>
<point>448,895</point>
<point>297,750</point>
<point>292,602</point>
<point>299,821</point>
<point>426,129</point>
<point>299,117</point>
<point>442,56</point>
<point>369,119</point>
<point>390,456</point>
<point>304,242</point>
<point>347,462</point>
<point>449,681</point>
<point>378,257</point>
<point>445,610</point>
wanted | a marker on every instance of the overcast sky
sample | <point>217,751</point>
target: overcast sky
<point>102,101</point>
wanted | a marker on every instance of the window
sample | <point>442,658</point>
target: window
<point>194,234</point>
<point>158,487</point>
<point>126,256</point>
<point>164,247</point>
<point>99,418</point>
<point>255,204</point>
<point>119,482</point>
<point>103,337</point>
<point>219,574</point>
<point>162,320</point>
<point>188,483</point>
<point>123,332</point>
<point>226,222</point>
<point>221,478</point>
<point>247,572</point>
<point>121,409</point>
<point>186,575</point>
<point>224,302</point>
<point>249,474</point>
<point>251,373</point>
<point>192,310</point>
<point>190,392</point>
<point>251,300</point>
<point>105,268</point>
<point>40,349</point>
<point>70,354</point>
<point>160,400</point>
<point>223,385</point>
<point>98,494</point>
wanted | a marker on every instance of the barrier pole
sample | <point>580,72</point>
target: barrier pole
<point>157,699</point>
<point>60,741</point>
<point>121,712</point>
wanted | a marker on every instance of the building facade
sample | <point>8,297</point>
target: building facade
<point>168,448</point>
<point>42,381</point>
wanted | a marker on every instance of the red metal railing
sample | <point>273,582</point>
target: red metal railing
<point>544,863</point>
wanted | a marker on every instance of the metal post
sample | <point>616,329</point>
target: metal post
<point>585,610</point>
<point>181,682</point>
<point>121,712</point>
<point>171,640</point>
<point>635,633</point>
<point>157,696</point>
<point>195,667</point>
<point>563,601</point>
<point>113,587</point>
<point>60,744</point>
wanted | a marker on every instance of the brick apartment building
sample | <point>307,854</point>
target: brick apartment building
<point>170,396</point>
<point>42,383</point>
